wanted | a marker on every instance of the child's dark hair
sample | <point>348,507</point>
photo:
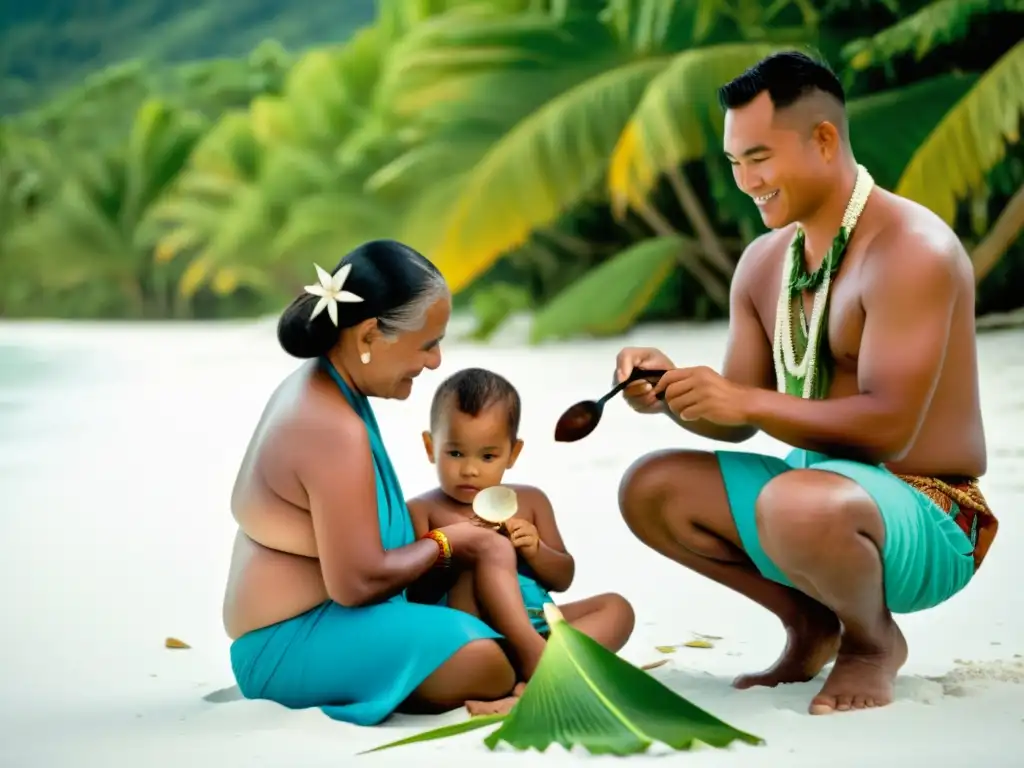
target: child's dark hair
<point>472,390</point>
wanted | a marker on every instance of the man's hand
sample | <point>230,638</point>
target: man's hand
<point>701,393</point>
<point>640,395</point>
<point>523,535</point>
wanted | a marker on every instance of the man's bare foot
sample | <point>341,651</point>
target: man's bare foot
<point>863,677</point>
<point>811,643</point>
<point>499,707</point>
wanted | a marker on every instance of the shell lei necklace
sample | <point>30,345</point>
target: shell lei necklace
<point>801,377</point>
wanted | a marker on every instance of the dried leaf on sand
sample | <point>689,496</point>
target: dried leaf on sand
<point>698,644</point>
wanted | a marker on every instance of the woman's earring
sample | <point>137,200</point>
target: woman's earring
<point>364,358</point>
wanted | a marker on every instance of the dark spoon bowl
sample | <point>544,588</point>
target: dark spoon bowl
<point>582,419</point>
<point>577,422</point>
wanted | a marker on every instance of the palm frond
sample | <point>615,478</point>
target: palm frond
<point>971,139</point>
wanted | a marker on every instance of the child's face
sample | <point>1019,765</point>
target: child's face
<point>471,452</point>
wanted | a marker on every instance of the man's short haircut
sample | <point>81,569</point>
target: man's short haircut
<point>788,77</point>
<point>471,391</point>
<point>791,78</point>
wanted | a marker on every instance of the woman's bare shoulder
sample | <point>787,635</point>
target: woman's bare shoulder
<point>310,422</point>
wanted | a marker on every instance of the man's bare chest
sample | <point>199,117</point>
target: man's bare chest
<point>845,320</point>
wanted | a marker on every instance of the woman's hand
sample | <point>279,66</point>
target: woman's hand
<point>470,542</point>
<point>640,394</point>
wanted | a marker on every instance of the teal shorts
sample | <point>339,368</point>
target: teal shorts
<point>926,557</point>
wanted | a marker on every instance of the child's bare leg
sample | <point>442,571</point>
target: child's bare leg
<point>462,595</point>
<point>500,603</point>
<point>606,618</point>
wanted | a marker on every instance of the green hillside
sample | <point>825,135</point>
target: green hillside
<point>48,45</point>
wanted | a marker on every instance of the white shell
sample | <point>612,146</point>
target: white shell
<point>495,504</point>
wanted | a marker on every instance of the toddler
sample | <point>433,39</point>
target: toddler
<point>473,439</point>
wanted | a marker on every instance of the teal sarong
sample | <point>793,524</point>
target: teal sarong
<point>357,664</point>
<point>534,597</point>
<point>926,557</point>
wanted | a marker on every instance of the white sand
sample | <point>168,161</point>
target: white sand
<point>119,447</point>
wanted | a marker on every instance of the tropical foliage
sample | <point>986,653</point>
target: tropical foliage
<point>48,45</point>
<point>559,156</point>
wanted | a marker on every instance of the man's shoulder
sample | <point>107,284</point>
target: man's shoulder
<point>771,244</point>
<point>760,259</point>
<point>903,222</point>
<point>766,250</point>
<point>916,235</point>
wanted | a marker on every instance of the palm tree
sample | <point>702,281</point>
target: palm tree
<point>557,128</point>
<point>94,231</point>
<point>955,149</point>
<point>655,119</point>
<point>568,142</point>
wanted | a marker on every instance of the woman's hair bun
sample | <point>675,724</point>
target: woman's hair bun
<point>386,274</point>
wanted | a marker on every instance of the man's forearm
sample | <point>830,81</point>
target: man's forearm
<point>712,431</point>
<point>857,427</point>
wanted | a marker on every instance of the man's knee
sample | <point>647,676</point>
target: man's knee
<point>650,482</point>
<point>804,509</point>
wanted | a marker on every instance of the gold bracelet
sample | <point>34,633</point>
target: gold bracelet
<point>444,548</point>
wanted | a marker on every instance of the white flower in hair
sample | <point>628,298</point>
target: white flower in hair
<point>330,293</point>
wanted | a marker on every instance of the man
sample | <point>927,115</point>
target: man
<point>851,339</point>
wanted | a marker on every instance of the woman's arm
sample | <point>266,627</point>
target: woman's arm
<point>335,467</point>
<point>420,514</point>
<point>434,584</point>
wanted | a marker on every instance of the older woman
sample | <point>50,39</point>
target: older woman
<point>315,601</point>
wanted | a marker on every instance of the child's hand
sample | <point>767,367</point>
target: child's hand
<point>481,523</point>
<point>523,535</point>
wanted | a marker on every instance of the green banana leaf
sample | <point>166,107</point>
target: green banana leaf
<point>584,695</point>
<point>905,117</point>
<point>970,140</point>
<point>939,23</point>
<point>447,731</point>
<point>540,169</point>
<point>609,298</point>
<point>673,121</point>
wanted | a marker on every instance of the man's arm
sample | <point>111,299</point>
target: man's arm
<point>909,294</point>
<point>748,350</point>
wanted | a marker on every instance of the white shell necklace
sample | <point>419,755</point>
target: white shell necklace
<point>799,376</point>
